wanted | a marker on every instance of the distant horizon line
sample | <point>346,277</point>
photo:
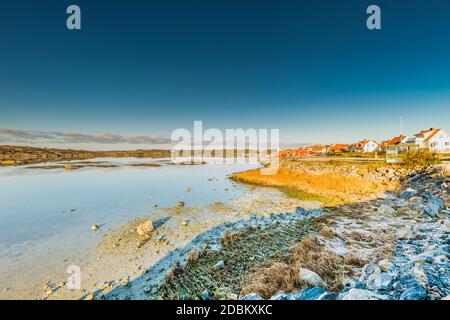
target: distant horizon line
<point>116,142</point>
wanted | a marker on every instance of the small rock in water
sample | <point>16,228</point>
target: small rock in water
<point>311,278</point>
<point>180,204</point>
<point>155,206</point>
<point>95,227</point>
<point>219,265</point>
<point>188,189</point>
<point>145,228</point>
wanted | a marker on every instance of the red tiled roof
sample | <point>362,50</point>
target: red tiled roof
<point>423,132</point>
<point>339,147</point>
<point>432,135</point>
<point>396,140</point>
<point>292,153</point>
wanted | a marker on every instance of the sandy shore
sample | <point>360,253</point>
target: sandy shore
<point>122,255</point>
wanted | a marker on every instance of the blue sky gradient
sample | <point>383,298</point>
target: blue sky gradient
<point>310,68</point>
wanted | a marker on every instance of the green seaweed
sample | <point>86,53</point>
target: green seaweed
<point>241,252</point>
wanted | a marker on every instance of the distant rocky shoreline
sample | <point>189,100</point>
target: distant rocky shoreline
<point>16,155</point>
<point>21,155</point>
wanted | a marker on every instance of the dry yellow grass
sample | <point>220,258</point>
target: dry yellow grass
<point>268,280</point>
<point>328,188</point>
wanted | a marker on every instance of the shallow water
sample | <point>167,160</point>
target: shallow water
<point>38,229</point>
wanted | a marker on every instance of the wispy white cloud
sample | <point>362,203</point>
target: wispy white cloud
<point>11,136</point>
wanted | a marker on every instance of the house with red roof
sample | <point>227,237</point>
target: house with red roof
<point>316,149</point>
<point>393,142</point>
<point>435,139</point>
<point>337,148</point>
<point>292,153</point>
<point>365,145</point>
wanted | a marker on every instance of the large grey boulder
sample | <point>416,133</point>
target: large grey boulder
<point>368,272</point>
<point>311,278</point>
<point>361,294</point>
<point>433,205</point>
<point>404,233</point>
<point>383,209</point>
<point>382,281</point>
<point>373,278</point>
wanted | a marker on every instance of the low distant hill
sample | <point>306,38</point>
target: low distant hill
<point>18,155</point>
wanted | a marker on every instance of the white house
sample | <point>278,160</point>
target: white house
<point>365,146</point>
<point>436,140</point>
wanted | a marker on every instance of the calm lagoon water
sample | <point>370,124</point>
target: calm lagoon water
<point>37,227</point>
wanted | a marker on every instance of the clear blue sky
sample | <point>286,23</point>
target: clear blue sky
<point>310,68</point>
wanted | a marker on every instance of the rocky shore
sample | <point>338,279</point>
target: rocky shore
<point>420,266</point>
<point>370,171</point>
<point>396,246</point>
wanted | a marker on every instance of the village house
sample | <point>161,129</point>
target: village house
<point>316,149</point>
<point>292,153</point>
<point>393,142</point>
<point>436,140</point>
<point>366,146</point>
<point>337,148</point>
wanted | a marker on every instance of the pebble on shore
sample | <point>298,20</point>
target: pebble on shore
<point>145,228</point>
<point>184,223</point>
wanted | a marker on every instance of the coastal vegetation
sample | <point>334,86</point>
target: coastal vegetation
<point>420,159</point>
<point>331,183</point>
<point>242,252</point>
